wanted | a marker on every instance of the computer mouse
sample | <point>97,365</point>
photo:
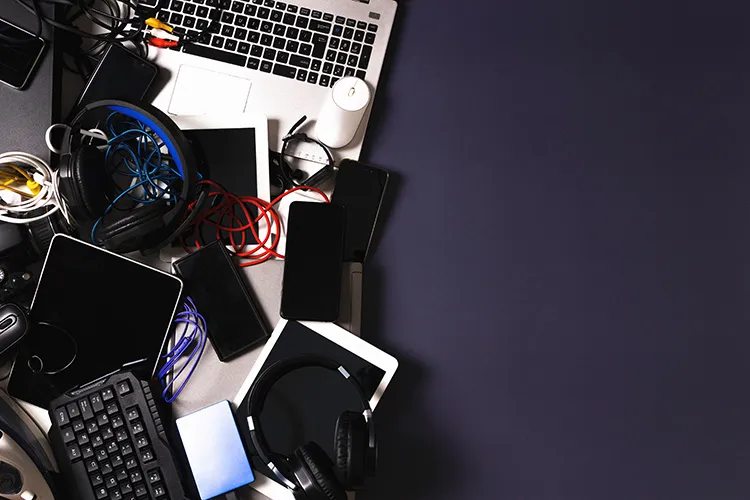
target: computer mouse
<point>342,112</point>
<point>13,326</point>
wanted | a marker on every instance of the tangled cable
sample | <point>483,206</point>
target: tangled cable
<point>193,334</point>
<point>225,206</point>
<point>31,186</point>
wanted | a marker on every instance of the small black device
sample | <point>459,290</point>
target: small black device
<point>311,288</point>
<point>309,472</point>
<point>20,52</point>
<point>359,189</point>
<point>120,74</point>
<point>110,442</point>
<point>13,326</point>
<point>214,283</point>
<point>290,177</point>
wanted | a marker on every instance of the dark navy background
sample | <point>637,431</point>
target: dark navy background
<point>564,270</point>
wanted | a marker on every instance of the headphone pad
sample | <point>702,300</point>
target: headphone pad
<point>351,441</point>
<point>87,182</point>
<point>315,460</point>
<point>128,232</point>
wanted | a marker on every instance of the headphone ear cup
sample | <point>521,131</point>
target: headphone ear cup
<point>317,464</point>
<point>84,183</point>
<point>351,440</point>
<point>128,232</point>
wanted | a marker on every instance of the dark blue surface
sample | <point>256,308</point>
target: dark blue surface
<point>564,272</point>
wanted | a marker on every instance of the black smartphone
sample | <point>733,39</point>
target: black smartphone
<point>20,53</point>
<point>311,288</point>
<point>120,74</point>
<point>359,189</point>
<point>214,283</point>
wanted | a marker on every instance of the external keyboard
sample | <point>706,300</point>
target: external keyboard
<point>110,442</point>
<point>281,38</point>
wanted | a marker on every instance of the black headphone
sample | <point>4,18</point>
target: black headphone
<point>312,473</point>
<point>290,177</point>
<point>83,182</point>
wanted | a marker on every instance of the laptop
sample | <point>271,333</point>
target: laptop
<point>272,57</point>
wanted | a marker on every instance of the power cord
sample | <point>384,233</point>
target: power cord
<point>31,186</point>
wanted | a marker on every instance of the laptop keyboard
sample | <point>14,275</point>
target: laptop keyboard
<point>280,38</point>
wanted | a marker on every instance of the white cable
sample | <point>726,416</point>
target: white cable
<point>48,195</point>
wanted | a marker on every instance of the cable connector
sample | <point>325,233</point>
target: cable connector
<point>162,43</point>
<point>156,24</point>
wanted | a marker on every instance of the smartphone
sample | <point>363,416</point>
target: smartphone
<point>311,287</point>
<point>359,189</point>
<point>20,53</point>
<point>120,74</point>
<point>214,283</point>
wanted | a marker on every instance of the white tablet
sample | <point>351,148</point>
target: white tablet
<point>304,405</point>
<point>232,149</point>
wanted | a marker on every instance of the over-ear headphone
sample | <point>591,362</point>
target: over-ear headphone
<point>83,181</point>
<point>309,472</point>
<point>290,177</point>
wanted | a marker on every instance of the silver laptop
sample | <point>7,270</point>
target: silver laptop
<point>275,58</point>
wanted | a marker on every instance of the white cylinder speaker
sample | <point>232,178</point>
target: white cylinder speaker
<point>342,112</point>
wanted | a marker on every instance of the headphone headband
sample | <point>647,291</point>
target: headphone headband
<point>268,378</point>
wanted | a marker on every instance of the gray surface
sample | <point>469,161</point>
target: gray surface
<point>26,114</point>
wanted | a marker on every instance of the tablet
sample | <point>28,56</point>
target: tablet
<point>304,405</point>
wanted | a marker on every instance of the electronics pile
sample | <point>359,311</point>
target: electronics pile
<point>180,286</point>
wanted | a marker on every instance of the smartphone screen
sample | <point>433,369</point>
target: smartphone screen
<point>120,74</point>
<point>20,51</point>
<point>359,189</point>
<point>311,288</point>
<point>215,285</point>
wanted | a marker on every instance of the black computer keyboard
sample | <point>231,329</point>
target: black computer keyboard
<point>281,38</point>
<point>110,442</point>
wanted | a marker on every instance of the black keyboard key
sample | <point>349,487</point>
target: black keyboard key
<point>359,35</point>
<point>176,6</point>
<point>319,45</point>
<point>266,27</point>
<point>328,68</point>
<point>126,488</point>
<point>351,22</point>
<point>364,60</point>
<point>240,34</point>
<point>269,54</point>
<point>97,441</point>
<point>250,10</point>
<point>269,3</point>
<point>372,27</point>
<point>266,40</point>
<point>254,24</point>
<point>337,30</point>
<point>253,37</point>
<point>73,411</point>
<point>292,9</point>
<point>237,7</point>
<point>327,17</point>
<point>96,403</point>
<point>61,416</point>
<point>117,460</point>
<point>361,25</point>
<point>331,55</point>
<point>334,43</point>
<point>252,62</point>
<point>302,75</point>
<point>333,81</point>
<point>92,465</point>
<point>153,476</point>
<point>324,80</point>
<point>67,434</point>
<point>217,42</point>
<point>189,8</point>
<point>202,25</point>
<point>101,493</point>
<point>304,11</point>
<point>292,46</point>
<point>117,422</point>
<point>112,447</point>
<point>279,30</point>
<point>312,78</point>
<point>175,19</point>
<point>132,463</point>
<point>110,482</point>
<point>315,65</point>
<point>225,4</point>
<point>217,55</point>
<point>279,43</point>
<point>97,478</point>
<point>141,491</point>
<point>352,61</point>
<point>320,27</point>
<point>159,491</point>
<point>266,66</point>
<point>302,22</point>
<point>133,414</point>
<point>305,36</point>
<point>83,439</point>
<point>276,16</point>
<point>299,61</point>
<point>305,49</point>
<point>189,22</point>
<point>338,70</point>
<point>289,19</point>
<point>316,14</point>
<point>292,33</point>
<point>91,427</point>
<point>227,31</point>
<point>348,33</point>
<point>244,48</point>
<point>214,28</point>
<point>74,452</point>
<point>370,38</point>
<point>126,449</point>
<point>101,454</point>
<point>147,455</point>
<point>107,433</point>
<point>78,426</point>
<point>283,70</point>
<point>115,495</point>
<point>227,17</point>
<point>231,44</point>
<point>349,72</point>
<point>356,48</point>
<point>345,45</point>
<point>360,74</point>
<point>282,57</point>
<point>121,435</point>
<point>87,451</point>
<point>203,12</point>
<point>240,21</point>
<point>112,408</point>
<point>263,13</point>
<point>256,51</point>
<point>121,475</point>
<point>340,20</point>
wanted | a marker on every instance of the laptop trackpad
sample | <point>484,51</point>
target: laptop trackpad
<point>199,91</point>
